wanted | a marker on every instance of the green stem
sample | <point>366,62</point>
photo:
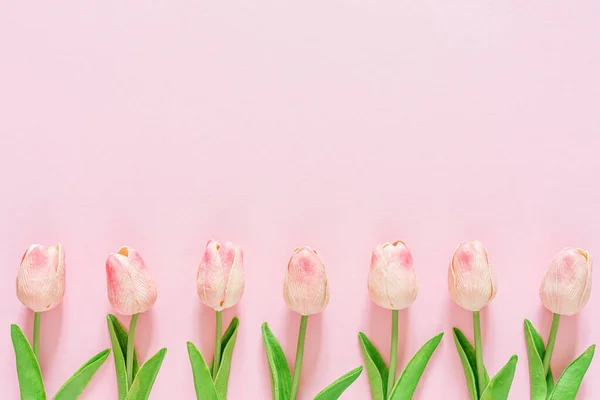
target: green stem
<point>393,353</point>
<point>218,333</point>
<point>551,343</point>
<point>131,349</point>
<point>299,356</point>
<point>36,335</point>
<point>478,352</point>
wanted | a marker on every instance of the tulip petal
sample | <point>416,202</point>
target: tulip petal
<point>211,277</point>
<point>41,277</point>
<point>235,280</point>
<point>305,285</point>
<point>471,281</point>
<point>131,288</point>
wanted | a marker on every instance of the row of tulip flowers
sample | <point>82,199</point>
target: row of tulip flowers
<point>392,284</point>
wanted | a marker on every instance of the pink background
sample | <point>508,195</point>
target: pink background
<point>339,124</point>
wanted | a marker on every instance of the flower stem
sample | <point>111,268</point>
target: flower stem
<point>218,333</point>
<point>551,343</point>
<point>299,356</point>
<point>36,335</point>
<point>131,349</point>
<point>393,353</point>
<point>478,352</point>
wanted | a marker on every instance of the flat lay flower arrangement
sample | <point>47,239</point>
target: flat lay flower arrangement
<point>392,284</point>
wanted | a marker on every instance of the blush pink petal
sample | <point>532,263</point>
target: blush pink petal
<point>566,286</point>
<point>471,281</point>
<point>392,280</point>
<point>235,280</point>
<point>131,289</point>
<point>41,277</point>
<point>220,278</point>
<point>305,288</point>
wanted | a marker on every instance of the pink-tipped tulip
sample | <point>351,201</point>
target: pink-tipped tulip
<point>220,278</point>
<point>392,280</point>
<point>305,288</point>
<point>41,277</point>
<point>131,289</point>
<point>567,283</point>
<point>471,281</point>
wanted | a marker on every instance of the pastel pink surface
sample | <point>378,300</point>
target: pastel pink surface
<point>337,125</point>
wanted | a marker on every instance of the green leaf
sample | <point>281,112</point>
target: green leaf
<point>205,388</point>
<point>281,377</point>
<point>407,383</point>
<point>144,380</point>
<point>233,325</point>
<point>29,374</point>
<point>499,386</point>
<point>467,366</point>
<point>119,357</point>
<point>335,390</point>
<point>118,338</point>
<point>466,352</point>
<point>73,388</point>
<point>222,379</point>
<point>538,389</point>
<point>377,370</point>
<point>537,382</point>
<point>568,384</point>
<point>541,350</point>
<point>122,336</point>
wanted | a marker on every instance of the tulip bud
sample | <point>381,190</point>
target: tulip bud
<point>567,283</point>
<point>131,289</point>
<point>220,278</point>
<point>471,281</point>
<point>305,288</point>
<point>392,280</point>
<point>41,277</point>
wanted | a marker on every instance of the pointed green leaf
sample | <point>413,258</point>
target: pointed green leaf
<point>335,390</point>
<point>122,337</point>
<point>377,370</point>
<point>281,377</point>
<point>119,357</point>
<point>222,379</point>
<point>539,386</point>
<point>541,350</point>
<point>568,384</point>
<point>499,386</point>
<point>144,380</point>
<point>233,325</point>
<point>73,388</point>
<point>537,382</point>
<point>469,352</point>
<point>407,383</point>
<point>467,367</point>
<point>203,383</point>
<point>29,374</point>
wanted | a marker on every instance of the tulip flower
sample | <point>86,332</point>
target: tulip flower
<point>567,283</point>
<point>305,288</point>
<point>41,287</point>
<point>565,290</point>
<point>393,285</point>
<point>471,281</point>
<point>472,286</point>
<point>220,282</point>
<point>41,282</point>
<point>393,282</point>
<point>306,292</point>
<point>131,291</point>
